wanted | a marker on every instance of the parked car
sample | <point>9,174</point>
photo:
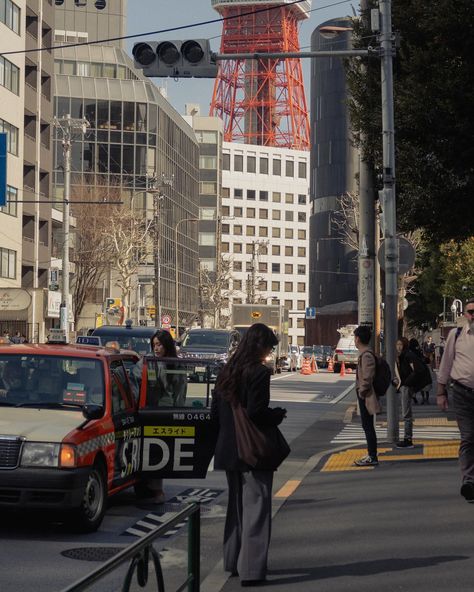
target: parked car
<point>307,351</point>
<point>291,361</point>
<point>137,339</point>
<point>212,344</point>
<point>346,350</point>
<point>322,354</point>
<point>296,350</point>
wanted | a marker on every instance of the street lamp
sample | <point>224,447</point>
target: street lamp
<point>176,267</point>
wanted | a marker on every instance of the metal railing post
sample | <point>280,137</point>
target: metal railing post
<point>194,551</point>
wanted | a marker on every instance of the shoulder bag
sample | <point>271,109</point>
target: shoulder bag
<point>264,448</point>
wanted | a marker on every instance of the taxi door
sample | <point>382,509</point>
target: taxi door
<point>178,437</point>
<point>126,425</point>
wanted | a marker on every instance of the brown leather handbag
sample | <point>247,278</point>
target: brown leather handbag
<point>260,448</point>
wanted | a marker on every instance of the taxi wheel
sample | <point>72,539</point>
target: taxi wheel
<point>94,502</point>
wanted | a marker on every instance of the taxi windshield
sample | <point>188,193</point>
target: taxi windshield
<point>50,381</point>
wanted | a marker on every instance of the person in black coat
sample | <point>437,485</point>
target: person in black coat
<point>246,380</point>
<point>424,380</point>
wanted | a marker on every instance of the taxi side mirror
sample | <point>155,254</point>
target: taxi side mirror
<point>92,411</point>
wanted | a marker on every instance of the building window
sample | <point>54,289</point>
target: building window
<point>263,267</point>
<point>249,249</point>
<point>262,231</point>
<point>10,15</point>
<point>238,193</point>
<point>263,195</point>
<point>12,136</point>
<point>238,212</point>
<point>263,165</point>
<point>301,251</point>
<point>301,199</point>
<point>288,232</point>
<point>262,285</point>
<point>226,192</point>
<point>251,164</point>
<point>208,264</point>
<point>290,323</point>
<point>207,213</point>
<point>288,198</point>
<point>248,264</point>
<point>276,215</point>
<point>289,168</point>
<point>207,239</point>
<point>277,167</point>
<point>300,323</point>
<point>288,268</point>
<point>302,234</point>
<point>275,249</point>
<point>238,229</point>
<point>289,304</point>
<point>276,197</point>
<point>225,228</point>
<point>237,266</point>
<point>276,232</point>
<point>250,212</point>
<point>301,287</point>
<point>237,300</point>
<point>238,162</point>
<point>208,188</point>
<point>225,247</point>
<point>226,161</point>
<point>288,286</point>
<point>289,251</point>
<point>300,305</point>
<point>251,194</point>
<point>7,263</point>
<point>12,197</point>
<point>275,268</point>
<point>208,162</point>
<point>237,247</point>
<point>226,210</point>
<point>289,215</point>
<point>9,75</point>
<point>250,230</point>
<point>301,216</point>
<point>275,286</point>
<point>206,137</point>
<point>302,170</point>
<point>237,284</point>
<point>263,214</point>
<point>301,269</point>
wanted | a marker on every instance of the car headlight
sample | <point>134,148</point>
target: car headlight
<point>48,454</point>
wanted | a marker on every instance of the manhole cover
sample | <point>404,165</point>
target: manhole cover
<point>91,553</point>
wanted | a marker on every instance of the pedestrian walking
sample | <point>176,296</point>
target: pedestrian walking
<point>245,380</point>
<point>369,404</point>
<point>456,379</point>
<point>423,386</point>
<point>429,349</point>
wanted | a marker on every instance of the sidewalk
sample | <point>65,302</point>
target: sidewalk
<point>401,526</point>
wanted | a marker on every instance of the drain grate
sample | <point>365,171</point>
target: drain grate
<point>91,553</point>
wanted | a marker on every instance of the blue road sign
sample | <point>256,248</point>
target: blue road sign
<point>311,312</point>
<point>3,169</point>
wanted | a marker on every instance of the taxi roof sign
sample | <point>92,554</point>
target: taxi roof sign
<point>57,336</point>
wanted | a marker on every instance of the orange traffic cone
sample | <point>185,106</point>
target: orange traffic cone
<point>314,366</point>
<point>330,365</point>
<point>306,367</point>
<point>343,370</point>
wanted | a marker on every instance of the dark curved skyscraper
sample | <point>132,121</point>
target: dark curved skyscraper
<point>334,166</point>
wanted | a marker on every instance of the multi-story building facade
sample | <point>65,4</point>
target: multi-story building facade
<point>265,193</point>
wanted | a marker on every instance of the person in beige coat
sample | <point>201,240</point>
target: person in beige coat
<point>368,402</point>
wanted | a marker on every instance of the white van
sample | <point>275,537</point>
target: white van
<point>346,350</point>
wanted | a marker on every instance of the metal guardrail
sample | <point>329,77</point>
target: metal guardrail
<point>139,554</point>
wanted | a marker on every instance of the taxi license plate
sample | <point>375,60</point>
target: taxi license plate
<point>200,369</point>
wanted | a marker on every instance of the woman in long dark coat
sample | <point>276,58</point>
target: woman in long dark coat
<point>247,529</point>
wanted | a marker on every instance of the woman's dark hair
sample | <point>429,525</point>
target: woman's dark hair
<point>164,337</point>
<point>404,342</point>
<point>363,333</point>
<point>255,343</point>
<point>413,345</point>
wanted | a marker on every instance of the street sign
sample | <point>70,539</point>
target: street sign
<point>3,169</point>
<point>310,312</point>
<point>165,320</point>
<point>406,254</point>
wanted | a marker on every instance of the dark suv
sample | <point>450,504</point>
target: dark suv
<point>137,339</point>
<point>212,344</point>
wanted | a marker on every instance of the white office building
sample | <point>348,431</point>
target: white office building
<point>265,213</point>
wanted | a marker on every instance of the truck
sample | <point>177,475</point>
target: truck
<point>274,316</point>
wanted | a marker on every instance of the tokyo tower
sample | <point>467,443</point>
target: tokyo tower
<point>262,101</point>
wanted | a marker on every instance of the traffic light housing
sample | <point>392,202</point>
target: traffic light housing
<point>180,59</point>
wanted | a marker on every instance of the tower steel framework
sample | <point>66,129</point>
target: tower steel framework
<point>262,101</point>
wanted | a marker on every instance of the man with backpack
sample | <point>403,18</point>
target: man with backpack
<point>456,378</point>
<point>367,397</point>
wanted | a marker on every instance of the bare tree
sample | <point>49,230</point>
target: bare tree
<point>214,293</point>
<point>346,220</point>
<point>91,253</point>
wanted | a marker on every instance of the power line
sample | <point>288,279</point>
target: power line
<point>168,30</point>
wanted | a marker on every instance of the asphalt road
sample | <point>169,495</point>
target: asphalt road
<point>37,555</point>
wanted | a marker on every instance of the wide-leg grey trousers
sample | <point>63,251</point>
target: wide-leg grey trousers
<point>248,523</point>
<point>407,411</point>
<point>464,408</point>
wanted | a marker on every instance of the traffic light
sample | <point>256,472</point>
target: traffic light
<point>179,59</point>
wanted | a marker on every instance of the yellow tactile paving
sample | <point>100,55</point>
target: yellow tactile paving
<point>428,421</point>
<point>430,450</point>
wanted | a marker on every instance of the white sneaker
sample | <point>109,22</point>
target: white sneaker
<point>366,461</point>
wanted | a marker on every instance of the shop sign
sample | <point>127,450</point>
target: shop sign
<point>14,299</point>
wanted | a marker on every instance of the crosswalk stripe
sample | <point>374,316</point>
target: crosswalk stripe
<point>355,433</point>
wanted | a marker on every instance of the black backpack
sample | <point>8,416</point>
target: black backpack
<point>383,376</point>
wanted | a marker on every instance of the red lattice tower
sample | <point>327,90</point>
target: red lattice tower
<point>262,101</point>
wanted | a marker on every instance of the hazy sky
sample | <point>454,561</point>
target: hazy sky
<point>154,15</point>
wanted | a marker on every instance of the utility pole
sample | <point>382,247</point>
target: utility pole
<point>67,125</point>
<point>390,211</point>
<point>366,230</point>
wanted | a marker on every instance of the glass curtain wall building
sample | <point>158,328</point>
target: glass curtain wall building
<point>134,135</point>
